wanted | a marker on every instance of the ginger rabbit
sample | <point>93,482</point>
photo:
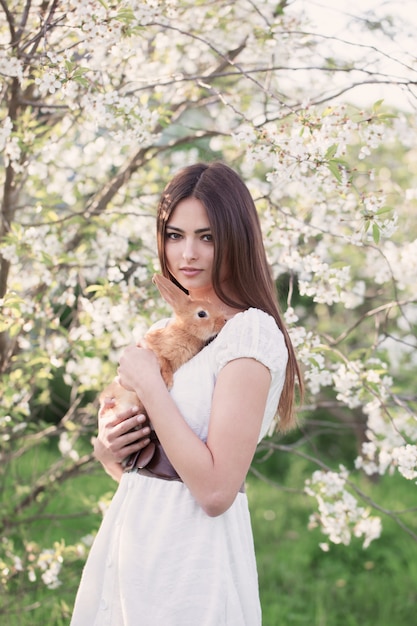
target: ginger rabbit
<point>195,322</point>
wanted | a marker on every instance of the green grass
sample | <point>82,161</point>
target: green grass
<point>66,513</point>
<point>347,586</point>
<point>300,584</point>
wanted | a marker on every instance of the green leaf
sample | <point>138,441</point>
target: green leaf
<point>69,66</point>
<point>4,325</point>
<point>377,105</point>
<point>335,169</point>
<point>125,15</point>
<point>331,151</point>
<point>385,209</point>
<point>376,234</point>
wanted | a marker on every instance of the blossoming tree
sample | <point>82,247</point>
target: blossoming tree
<point>101,102</point>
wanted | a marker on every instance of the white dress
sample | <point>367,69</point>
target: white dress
<point>158,559</point>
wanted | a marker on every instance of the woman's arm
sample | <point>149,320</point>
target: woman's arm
<point>213,471</point>
<point>118,437</point>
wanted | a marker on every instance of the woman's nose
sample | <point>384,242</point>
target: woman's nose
<point>190,250</point>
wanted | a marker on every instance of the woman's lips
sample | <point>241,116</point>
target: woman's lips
<point>190,271</point>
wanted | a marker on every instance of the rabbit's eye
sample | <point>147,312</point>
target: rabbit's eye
<point>202,314</point>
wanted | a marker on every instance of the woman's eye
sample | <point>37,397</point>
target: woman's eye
<point>207,237</point>
<point>173,236</point>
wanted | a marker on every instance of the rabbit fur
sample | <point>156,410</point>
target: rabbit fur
<point>195,322</point>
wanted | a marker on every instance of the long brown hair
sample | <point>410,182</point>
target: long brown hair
<point>238,244</point>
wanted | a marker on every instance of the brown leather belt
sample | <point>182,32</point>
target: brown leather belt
<point>152,461</point>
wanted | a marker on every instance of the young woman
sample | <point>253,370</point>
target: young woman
<point>180,552</point>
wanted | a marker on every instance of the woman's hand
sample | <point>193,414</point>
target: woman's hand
<point>139,371</point>
<point>118,437</point>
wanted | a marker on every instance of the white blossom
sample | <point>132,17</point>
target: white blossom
<point>405,458</point>
<point>5,132</point>
<point>339,514</point>
<point>50,564</point>
<point>49,82</point>
<point>85,371</point>
<point>10,65</point>
<point>65,446</point>
<point>290,316</point>
<point>347,381</point>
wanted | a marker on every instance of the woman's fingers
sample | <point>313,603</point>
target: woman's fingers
<point>127,436</point>
<point>121,416</point>
<point>132,436</point>
<point>134,447</point>
<point>126,421</point>
<point>121,434</point>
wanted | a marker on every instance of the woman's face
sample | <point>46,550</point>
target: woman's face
<point>189,246</point>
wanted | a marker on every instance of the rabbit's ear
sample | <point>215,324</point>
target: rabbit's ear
<point>169,291</point>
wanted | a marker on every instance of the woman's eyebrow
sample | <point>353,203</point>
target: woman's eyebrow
<point>197,232</point>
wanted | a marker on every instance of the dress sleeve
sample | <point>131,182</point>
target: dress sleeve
<point>252,334</point>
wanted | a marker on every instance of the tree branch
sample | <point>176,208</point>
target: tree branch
<point>54,475</point>
<point>102,198</point>
<point>383,307</point>
<point>10,20</point>
<point>394,515</point>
